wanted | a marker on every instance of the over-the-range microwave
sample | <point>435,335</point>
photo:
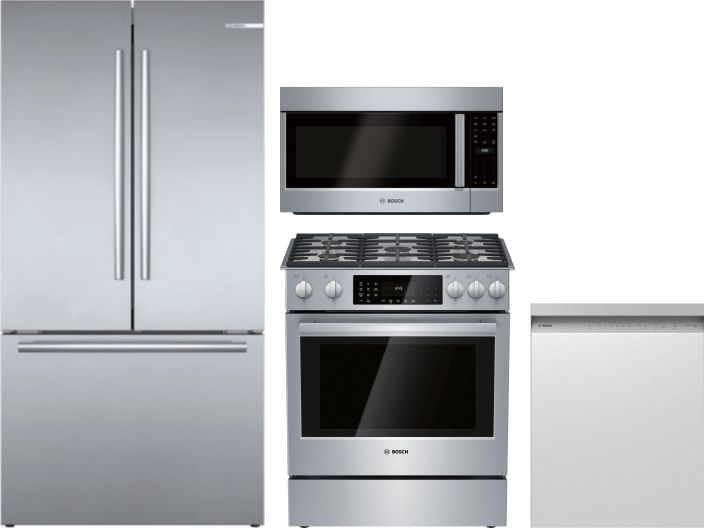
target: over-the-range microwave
<point>391,150</point>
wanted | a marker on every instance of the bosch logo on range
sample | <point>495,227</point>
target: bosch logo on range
<point>391,200</point>
<point>396,451</point>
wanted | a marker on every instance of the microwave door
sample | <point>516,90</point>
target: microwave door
<point>373,162</point>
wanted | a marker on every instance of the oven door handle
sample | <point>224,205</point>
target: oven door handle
<point>399,329</point>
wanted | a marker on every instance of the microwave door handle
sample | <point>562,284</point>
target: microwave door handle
<point>399,329</point>
<point>460,150</point>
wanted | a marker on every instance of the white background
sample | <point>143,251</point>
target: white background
<point>604,141</point>
<point>604,156</point>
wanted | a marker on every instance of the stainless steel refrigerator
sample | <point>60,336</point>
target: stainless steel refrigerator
<point>132,262</point>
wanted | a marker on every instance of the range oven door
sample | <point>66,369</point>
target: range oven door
<point>386,162</point>
<point>396,394</point>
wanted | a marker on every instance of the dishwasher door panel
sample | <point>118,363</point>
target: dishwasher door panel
<point>132,429</point>
<point>617,423</point>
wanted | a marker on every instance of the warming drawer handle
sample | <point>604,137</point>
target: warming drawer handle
<point>144,169</point>
<point>119,169</point>
<point>88,346</point>
<point>416,329</point>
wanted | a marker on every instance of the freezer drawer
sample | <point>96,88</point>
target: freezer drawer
<point>617,421</point>
<point>132,429</point>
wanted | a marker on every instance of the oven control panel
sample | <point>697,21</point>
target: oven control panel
<point>398,289</point>
<point>481,145</point>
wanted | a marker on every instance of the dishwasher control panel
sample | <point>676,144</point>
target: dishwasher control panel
<point>616,325</point>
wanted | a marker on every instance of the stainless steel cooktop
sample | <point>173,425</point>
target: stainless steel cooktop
<point>397,250</point>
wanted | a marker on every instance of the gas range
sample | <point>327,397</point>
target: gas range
<point>390,272</point>
<point>397,352</point>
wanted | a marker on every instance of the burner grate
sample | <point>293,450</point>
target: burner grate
<point>397,250</point>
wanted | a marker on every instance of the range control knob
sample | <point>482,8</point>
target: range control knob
<point>497,289</point>
<point>476,289</point>
<point>455,289</point>
<point>333,289</point>
<point>303,290</point>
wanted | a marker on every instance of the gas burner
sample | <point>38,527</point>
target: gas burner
<point>468,257</point>
<point>397,249</point>
<point>385,250</point>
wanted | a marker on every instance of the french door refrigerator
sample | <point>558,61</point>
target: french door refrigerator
<point>132,273</point>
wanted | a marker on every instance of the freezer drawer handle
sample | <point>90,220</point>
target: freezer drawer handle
<point>119,170</point>
<point>88,346</point>
<point>390,329</point>
<point>145,167</point>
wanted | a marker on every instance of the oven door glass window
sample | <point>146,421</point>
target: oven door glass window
<point>397,386</point>
<point>370,150</point>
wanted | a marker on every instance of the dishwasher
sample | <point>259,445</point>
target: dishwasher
<point>616,415</point>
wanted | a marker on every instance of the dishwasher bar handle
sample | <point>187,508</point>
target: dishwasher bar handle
<point>89,346</point>
<point>394,329</point>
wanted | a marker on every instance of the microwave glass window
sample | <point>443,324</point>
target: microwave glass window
<point>371,150</point>
<point>397,386</point>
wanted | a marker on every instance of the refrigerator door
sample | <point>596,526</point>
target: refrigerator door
<point>65,165</point>
<point>199,171</point>
<point>115,429</point>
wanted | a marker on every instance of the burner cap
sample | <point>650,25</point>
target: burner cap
<point>467,257</point>
<point>397,249</point>
<point>326,257</point>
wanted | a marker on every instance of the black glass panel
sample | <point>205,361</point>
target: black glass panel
<point>481,149</point>
<point>397,386</point>
<point>407,150</point>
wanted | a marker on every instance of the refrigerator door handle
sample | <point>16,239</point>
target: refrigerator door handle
<point>119,170</point>
<point>90,346</point>
<point>145,166</point>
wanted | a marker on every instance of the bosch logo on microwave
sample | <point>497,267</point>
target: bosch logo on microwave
<point>391,200</point>
<point>396,451</point>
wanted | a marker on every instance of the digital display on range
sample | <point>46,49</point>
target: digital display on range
<point>398,289</point>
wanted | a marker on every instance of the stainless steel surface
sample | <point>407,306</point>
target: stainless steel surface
<point>375,201</point>
<point>396,329</point>
<point>617,416</point>
<point>392,502</point>
<point>132,438</point>
<point>404,200</point>
<point>627,310</point>
<point>58,147</point>
<point>334,99</point>
<point>119,170</point>
<point>479,456</point>
<point>99,346</point>
<point>144,169</point>
<point>460,150</point>
<point>206,166</point>
<point>317,278</point>
<point>489,200</point>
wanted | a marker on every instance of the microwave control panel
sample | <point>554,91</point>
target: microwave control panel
<point>398,289</point>
<point>481,145</point>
